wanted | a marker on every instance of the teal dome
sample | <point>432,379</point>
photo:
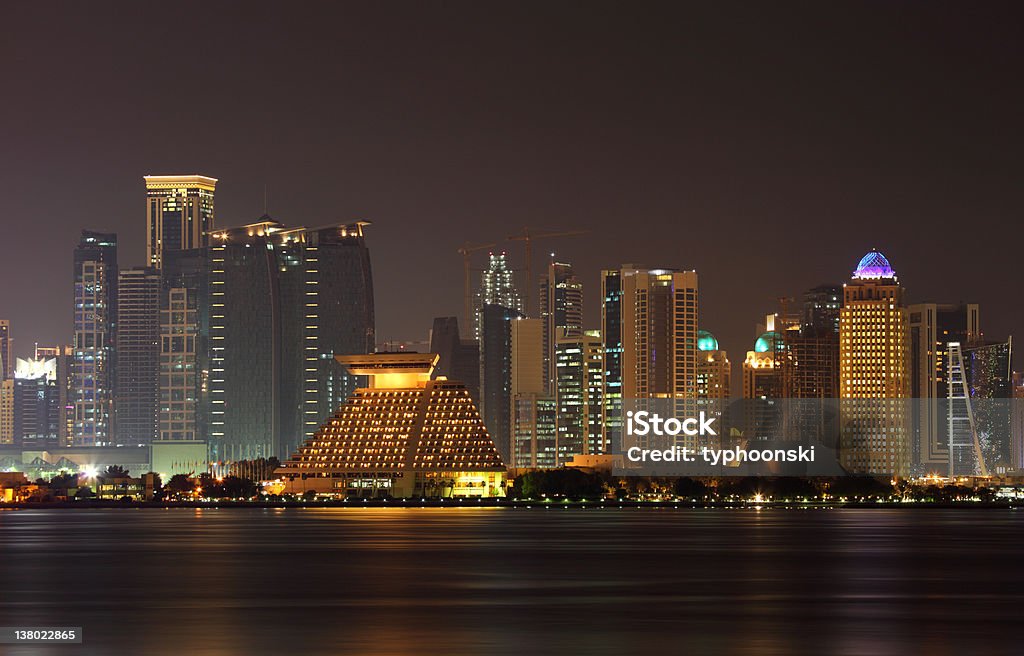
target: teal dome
<point>706,341</point>
<point>768,341</point>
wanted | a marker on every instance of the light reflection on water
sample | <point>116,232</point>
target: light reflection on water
<point>451,581</point>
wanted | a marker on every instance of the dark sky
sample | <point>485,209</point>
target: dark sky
<point>767,145</point>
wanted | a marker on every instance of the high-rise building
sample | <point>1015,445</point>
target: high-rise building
<point>7,411</point>
<point>496,373</point>
<point>821,307</point>
<point>179,214</point>
<point>762,384</point>
<point>136,401</point>
<point>611,335</point>
<point>714,371</point>
<point>6,350</point>
<point>534,432</point>
<point>184,345</point>
<point>458,358</point>
<point>933,326</point>
<point>989,380</point>
<point>561,310</point>
<point>404,435</point>
<point>579,390</point>
<point>527,389</point>
<point>95,323</point>
<point>874,380</point>
<point>64,356</point>
<point>659,333</point>
<point>497,287</point>
<point>37,412</point>
<point>283,303</point>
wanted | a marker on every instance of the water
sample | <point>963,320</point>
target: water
<point>507,581</point>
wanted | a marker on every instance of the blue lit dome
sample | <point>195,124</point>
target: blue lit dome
<point>706,341</point>
<point>873,266</point>
<point>767,342</point>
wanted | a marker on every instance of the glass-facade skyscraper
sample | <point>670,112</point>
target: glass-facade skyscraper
<point>95,327</point>
<point>137,389</point>
<point>283,303</point>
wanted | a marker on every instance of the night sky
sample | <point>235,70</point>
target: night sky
<point>767,145</point>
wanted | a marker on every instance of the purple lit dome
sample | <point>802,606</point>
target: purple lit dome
<point>872,266</point>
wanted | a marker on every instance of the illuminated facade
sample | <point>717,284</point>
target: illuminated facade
<point>459,358</point>
<point>64,356</point>
<point>95,324</point>
<point>527,388</point>
<point>6,352</point>
<point>611,336</point>
<point>535,431</point>
<point>179,214</point>
<point>138,356</point>
<point>579,390</point>
<point>283,303</point>
<point>497,287</point>
<point>874,380</point>
<point>561,310</point>
<point>714,371</point>
<point>659,333</point>
<point>933,326</point>
<point>402,436</point>
<point>7,411</point>
<point>36,401</point>
<point>179,342</point>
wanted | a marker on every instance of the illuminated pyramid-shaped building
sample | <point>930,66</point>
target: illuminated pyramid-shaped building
<point>403,436</point>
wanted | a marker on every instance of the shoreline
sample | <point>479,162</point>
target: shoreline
<point>457,504</point>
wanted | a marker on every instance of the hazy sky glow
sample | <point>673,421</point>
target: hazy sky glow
<point>767,145</point>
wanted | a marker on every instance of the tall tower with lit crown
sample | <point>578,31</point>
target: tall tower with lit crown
<point>874,380</point>
<point>179,214</point>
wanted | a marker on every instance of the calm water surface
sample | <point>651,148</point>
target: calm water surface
<point>506,581</point>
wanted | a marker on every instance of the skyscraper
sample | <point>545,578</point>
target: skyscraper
<point>579,389</point>
<point>611,336</point>
<point>64,356</point>
<point>283,303</point>
<point>185,310</point>
<point>933,326</point>
<point>138,356</point>
<point>7,411</point>
<point>95,324</point>
<point>497,287</point>
<point>874,381</point>
<point>458,358</point>
<point>179,214</point>
<point>496,373</point>
<point>561,310</point>
<point>36,404</point>
<point>533,437</point>
<point>659,333</point>
<point>6,350</point>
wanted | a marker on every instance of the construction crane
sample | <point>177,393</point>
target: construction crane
<point>528,236</point>
<point>465,251</point>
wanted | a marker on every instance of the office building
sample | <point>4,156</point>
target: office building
<point>458,358</point>
<point>36,401</point>
<point>64,356</point>
<point>283,303</point>
<point>404,435</point>
<point>497,287</point>
<point>95,338</point>
<point>579,390</point>
<point>137,394</point>
<point>7,411</point>
<point>561,310</point>
<point>933,326</point>
<point>179,214</point>
<point>611,336</point>
<point>6,350</point>
<point>874,380</point>
<point>496,373</point>
<point>527,389</point>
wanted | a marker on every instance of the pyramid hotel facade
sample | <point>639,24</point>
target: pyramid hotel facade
<point>404,435</point>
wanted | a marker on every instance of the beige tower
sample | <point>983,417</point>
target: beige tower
<point>874,371</point>
<point>179,214</point>
<point>659,334</point>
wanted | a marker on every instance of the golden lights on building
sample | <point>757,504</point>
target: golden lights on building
<point>874,373</point>
<point>403,436</point>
